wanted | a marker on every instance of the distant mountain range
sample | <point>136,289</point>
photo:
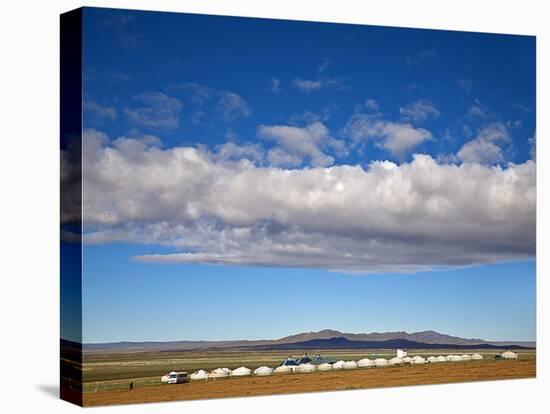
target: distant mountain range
<point>344,343</point>
<point>325,339</point>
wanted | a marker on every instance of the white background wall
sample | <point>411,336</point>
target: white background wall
<point>29,205</point>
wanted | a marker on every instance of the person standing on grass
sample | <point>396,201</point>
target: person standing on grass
<point>132,386</point>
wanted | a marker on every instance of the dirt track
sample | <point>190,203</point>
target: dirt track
<point>320,381</point>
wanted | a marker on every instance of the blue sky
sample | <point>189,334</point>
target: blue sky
<point>248,178</point>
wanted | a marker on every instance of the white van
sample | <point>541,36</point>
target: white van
<point>174,378</point>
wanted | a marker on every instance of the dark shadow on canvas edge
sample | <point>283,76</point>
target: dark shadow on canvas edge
<point>51,390</point>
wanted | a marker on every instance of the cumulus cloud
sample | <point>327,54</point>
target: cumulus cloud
<point>96,113</point>
<point>232,106</point>
<point>157,110</point>
<point>411,217</point>
<point>296,144</point>
<point>231,151</point>
<point>397,137</point>
<point>280,158</point>
<point>487,147</point>
<point>419,111</point>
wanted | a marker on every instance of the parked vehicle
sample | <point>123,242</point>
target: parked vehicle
<point>174,377</point>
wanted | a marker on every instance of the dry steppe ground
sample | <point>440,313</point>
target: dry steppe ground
<point>321,381</point>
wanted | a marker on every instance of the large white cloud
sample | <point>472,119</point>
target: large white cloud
<point>414,216</point>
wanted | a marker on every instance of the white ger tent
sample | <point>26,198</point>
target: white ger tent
<point>441,358</point>
<point>381,362</point>
<point>350,365</point>
<point>241,372</point>
<point>396,361</point>
<point>432,360</point>
<point>455,358</point>
<point>477,357</point>
<point>201,374</point>
<point>365,363</point>
<point>306,368</point>
<point>219,373</point>
<point>407,360</point>
<point>283,369</point>
<point>417,360</point>
<point>509,355</point>
<point>338,365</point>
<point>262,371</point>
<point>465,357</point>
<point>325,366</point>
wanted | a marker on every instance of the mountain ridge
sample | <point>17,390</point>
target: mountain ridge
<point>428,337</point>
<point>340,342</point>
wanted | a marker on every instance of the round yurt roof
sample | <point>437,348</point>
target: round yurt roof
<point>325,366</point>
<point>432,359</point>
<point>303,360</point>
<point>350,365</point>
<point>241,371</point>
<point>396,360</point>
<point>263,371</point>
<point>365,362</point>
<point>200,374</point>
<point>318,360</point>
<point>465,357</point>
<point>306,367</point>
<point>477,356</point>
<point>219,372</point>
<point>338,364</point>
<point>509,354</point>
<point>380,361</point>
<point>455,358</point>
<point>441,358</point>
<point>290,362</point>
<point>283,368</point>
<point>418,360</point>
<point>407,359</point>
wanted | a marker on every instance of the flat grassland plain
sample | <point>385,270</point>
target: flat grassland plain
<point>107,376</point>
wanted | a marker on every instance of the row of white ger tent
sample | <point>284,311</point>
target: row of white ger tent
<point>362,363</point>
